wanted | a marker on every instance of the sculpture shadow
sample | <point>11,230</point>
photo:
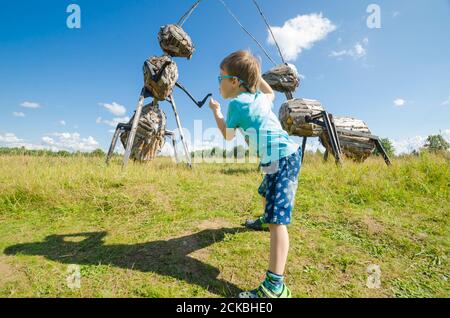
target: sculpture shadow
<point>168,258</point>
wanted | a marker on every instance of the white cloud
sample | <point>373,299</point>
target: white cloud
<point>408,145</point>
<point>53,142</point>
<point>399,102</point>
<point>10,140</point>
<point>18,114</point>
<point>446,134</point>
<point>62,122</point>
<point>48,140</point>
<point>395,14</point>
<point>114,108</point>
<point>446,102</point>
<point>358,51</point>
<point>70,142</point>
<point>30,105</point>
<point>114,122</point>
<point>301,33</point>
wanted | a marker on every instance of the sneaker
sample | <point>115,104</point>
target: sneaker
<point>264,292</point>
<point>257,225</point>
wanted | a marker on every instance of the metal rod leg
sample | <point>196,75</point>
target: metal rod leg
<point>381,150</point>
<point>304,147</point>
<point>113,145</point>
<point>174,107</point>
<point>134,127</point>
<point>332,137</point>
<point>333,126</point>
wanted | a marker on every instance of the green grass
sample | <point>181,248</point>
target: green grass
<point>160,230</point>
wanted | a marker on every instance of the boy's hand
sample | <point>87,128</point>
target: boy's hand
<point>214,105</point>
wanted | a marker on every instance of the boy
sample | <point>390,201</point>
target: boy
<point>250,110</point>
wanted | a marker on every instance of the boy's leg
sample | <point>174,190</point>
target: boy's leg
<point>259,224</point>
<point>280,202</point>
<point>274,286</point>
<point>279,248</point>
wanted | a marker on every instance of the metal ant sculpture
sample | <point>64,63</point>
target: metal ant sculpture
<point>307,118</point>
<point>145,134</point>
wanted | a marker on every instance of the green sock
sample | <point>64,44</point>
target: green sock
<point>274,282</point>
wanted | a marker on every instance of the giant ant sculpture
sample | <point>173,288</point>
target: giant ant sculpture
<point>145,134</point>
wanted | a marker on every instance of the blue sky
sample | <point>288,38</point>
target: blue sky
<point>55,82</point>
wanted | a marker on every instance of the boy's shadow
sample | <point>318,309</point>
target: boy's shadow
<point>169,258</point>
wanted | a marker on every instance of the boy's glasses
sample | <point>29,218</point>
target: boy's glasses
<point>222,77</point>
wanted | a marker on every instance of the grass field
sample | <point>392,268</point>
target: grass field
<point>159,230</point>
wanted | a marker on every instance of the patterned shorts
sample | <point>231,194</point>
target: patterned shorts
<point>279,187</point>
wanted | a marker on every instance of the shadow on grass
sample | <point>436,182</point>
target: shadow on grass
<point>168,258</point>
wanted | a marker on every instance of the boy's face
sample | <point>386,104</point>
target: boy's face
<point>229,87</point>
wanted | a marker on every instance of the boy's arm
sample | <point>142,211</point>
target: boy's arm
<point>266,89</point>
<point>227,133</point>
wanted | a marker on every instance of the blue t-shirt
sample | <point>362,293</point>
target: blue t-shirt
<point>253,115</point>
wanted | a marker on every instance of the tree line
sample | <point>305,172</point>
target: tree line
<point>434,144</point>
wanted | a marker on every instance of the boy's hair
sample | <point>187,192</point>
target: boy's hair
<point>244,65</point>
